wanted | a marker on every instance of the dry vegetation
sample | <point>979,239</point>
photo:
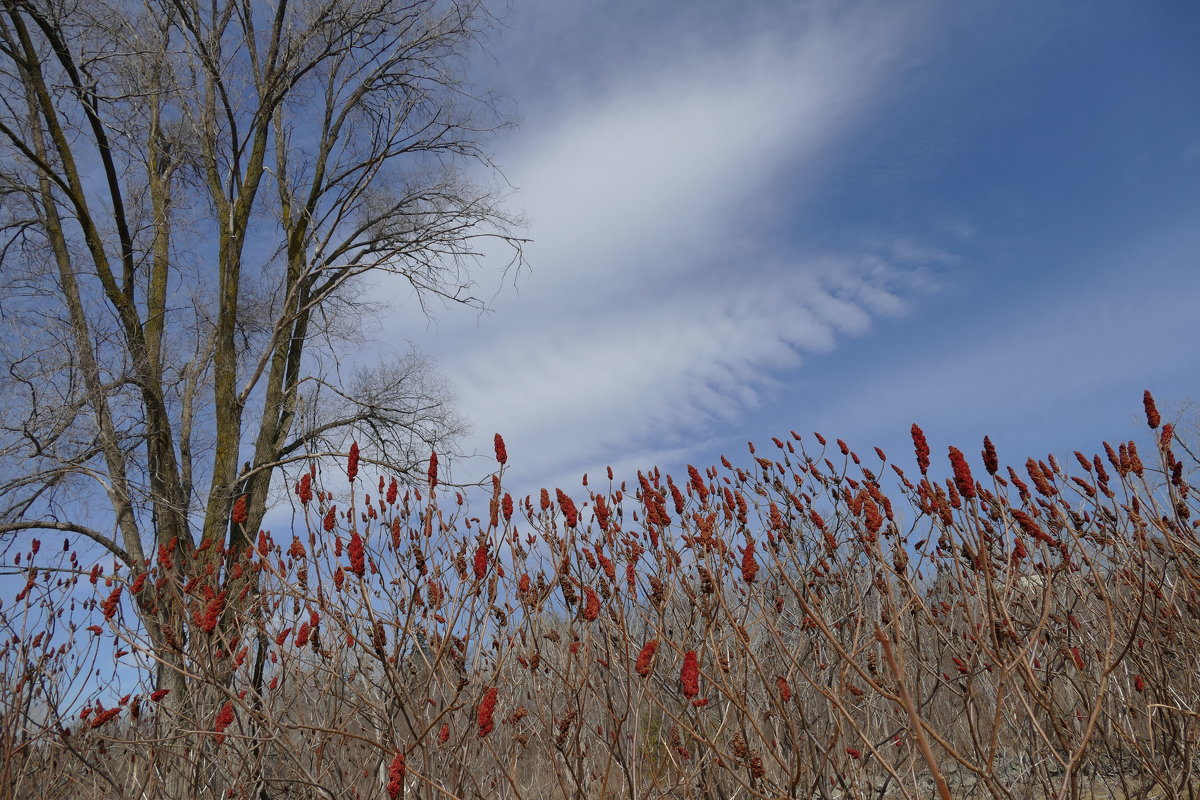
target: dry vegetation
<point>797,627</point>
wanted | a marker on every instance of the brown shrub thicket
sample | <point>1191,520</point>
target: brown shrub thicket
<point>815,623</point>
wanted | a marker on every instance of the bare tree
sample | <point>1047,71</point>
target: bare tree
<point>196,198</point>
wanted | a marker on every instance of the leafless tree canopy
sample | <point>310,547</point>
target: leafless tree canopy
<point>193,196</point>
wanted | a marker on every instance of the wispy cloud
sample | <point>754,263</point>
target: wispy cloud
<point>665,293</point>
<point>647,377</point>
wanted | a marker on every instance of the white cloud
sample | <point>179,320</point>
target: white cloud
<point>626,382</point>
<point>658,303</point>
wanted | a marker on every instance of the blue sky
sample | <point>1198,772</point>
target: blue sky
<point>754,217</point>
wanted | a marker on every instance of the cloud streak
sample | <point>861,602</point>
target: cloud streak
<point>666,292</point>
<point>653,376</point>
